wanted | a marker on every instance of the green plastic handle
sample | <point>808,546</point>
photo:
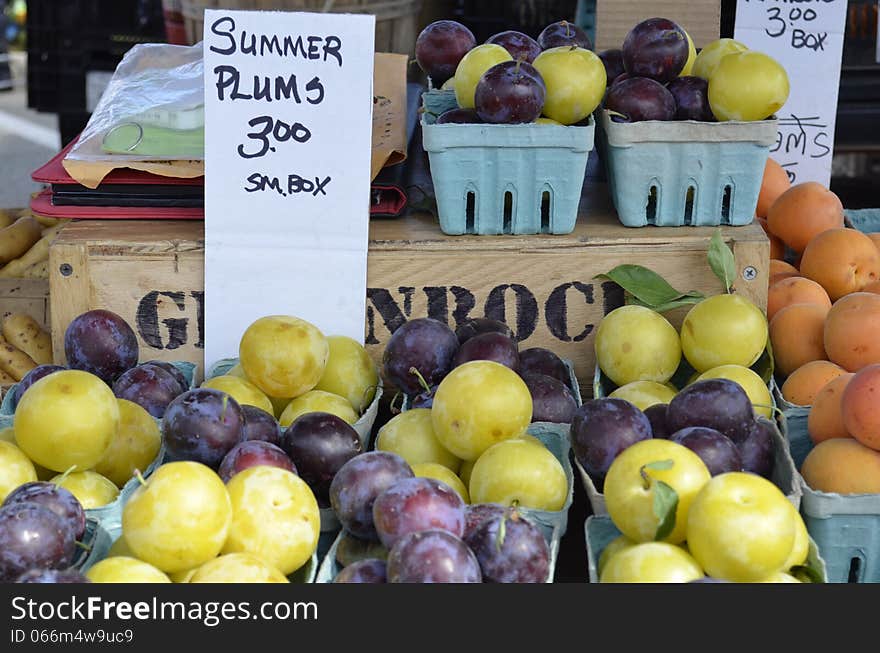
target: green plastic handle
<point>156,142</point>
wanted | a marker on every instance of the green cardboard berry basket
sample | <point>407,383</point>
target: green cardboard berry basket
<point>684,172</point>
<point>436,102</point>
<point>330,566</point>
<point>600,531</point>
<point>553,523</point>
<point>504,179</point>
<point>784,474</point>
<point>846,527</point>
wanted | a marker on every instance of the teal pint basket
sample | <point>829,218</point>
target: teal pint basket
<point>330,566</point>
<point>784,476</point>
<point>600,531</point>
<point>846,527</point>
<point>436,102</point>
<point>683,172</point>
<point>505,179</point>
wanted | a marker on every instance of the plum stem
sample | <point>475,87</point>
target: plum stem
<point>567,29</point>
<point>83,546</point>
<point>772,409</point>
<point>502,533</point>
<point>139,477</point>
<point>64,476</point>
<point>392,406</point>
<point>364,402</point>
<point>421,378</point>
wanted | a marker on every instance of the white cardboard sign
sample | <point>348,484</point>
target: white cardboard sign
<point>806,37</point>
<point>288,125</point>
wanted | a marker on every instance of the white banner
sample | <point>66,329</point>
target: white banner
<point>288,125</point>
<point>806,37</point>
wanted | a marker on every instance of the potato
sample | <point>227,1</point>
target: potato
<point>15,362</point>
<point>49,232</point>
<point>39,252</point>
<point>38,270</point>
<point>7,217</point>
<point>23,332</point>
<point>46,221</point>
<point>6,379</point>
<point>18,238</point>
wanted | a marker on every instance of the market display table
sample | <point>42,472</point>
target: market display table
<point>152,273</point>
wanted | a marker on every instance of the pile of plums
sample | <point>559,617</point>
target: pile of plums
<point>104,344</point>
<point>513,78</point>
<point>210,427</point>
<point>644,76</point>
<point>40,526</point>
<point>714,418</point>
<point>399,528</point>
<point>422,351</point>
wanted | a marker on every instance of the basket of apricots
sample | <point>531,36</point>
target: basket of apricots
<point>823,307</point>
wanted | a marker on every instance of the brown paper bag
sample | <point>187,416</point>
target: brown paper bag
<point>389,111</point>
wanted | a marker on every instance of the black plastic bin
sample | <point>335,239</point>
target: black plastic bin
<point>68,40</point>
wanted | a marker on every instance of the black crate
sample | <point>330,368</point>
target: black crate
<point>487,17</point>
<point>66,40</point>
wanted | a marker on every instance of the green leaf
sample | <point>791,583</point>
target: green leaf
<point>771,364</point>
<point>688,300</point>
<point>645,285</point>
<point>806,574</point>
<point>721,260</point>
<point>665,505</point>
<point>660,465</point>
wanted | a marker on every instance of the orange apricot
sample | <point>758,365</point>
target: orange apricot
<point>802,385</point>
<point>795,290</point>
<point>842,261</point>
<point>852,331</point>
<point>842,466</point>
<point>803,212</point>
<point>826,419</point>
<point>797,335</point>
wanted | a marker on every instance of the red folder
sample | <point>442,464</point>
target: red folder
<point>53,173</point>
<point>42,205</point>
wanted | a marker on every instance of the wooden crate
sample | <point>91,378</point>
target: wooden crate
<point>151,273</point>
<point>29,296</point>
<point>615,18</point>
<point>542,286</point>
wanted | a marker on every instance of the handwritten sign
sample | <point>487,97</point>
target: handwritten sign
<point>288,127</point>
<point>806,37</point>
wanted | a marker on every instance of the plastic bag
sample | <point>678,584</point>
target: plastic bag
<point>152,110</point>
